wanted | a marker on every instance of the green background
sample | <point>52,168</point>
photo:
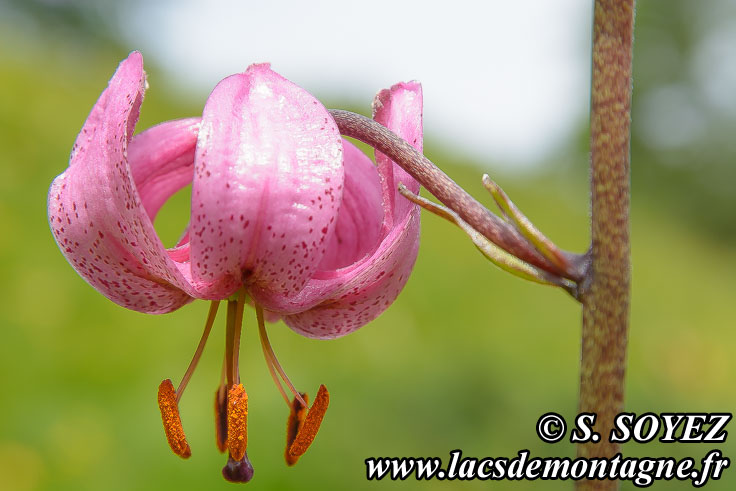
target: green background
<point>467,357</point>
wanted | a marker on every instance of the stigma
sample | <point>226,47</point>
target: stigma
<point>231,398</point>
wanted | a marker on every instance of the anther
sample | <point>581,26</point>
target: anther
<point>308,430</point>
<point>237,421</point>
<point>172,420</point>
<point>221,418</point>
<point>293,425</point>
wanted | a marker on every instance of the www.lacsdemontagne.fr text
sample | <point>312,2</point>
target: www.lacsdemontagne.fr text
<point>641,471</point>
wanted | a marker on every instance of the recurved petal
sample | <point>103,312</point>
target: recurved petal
<point>358,231</point>
<point>96,214</point>
<point>335,303</point>
<point>358,234</point>
<point>162,161</point>
<point>366,291</point>
<point>267,186</point>
<point>399,109</point>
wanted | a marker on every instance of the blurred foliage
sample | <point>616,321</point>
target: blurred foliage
<point>684,112</point>
<point>684,117</point>
<point>81,21</point>
<point>468,357</point>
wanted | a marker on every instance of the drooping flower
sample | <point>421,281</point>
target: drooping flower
<point>374,247</point>
<point>285,215</point>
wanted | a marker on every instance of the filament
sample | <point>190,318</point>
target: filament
<point>273,362</point>
<point>200,347</point>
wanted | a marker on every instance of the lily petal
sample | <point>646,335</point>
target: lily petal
<point>162,161</point>
<point>366,291</point>
<point>96,213</point>
<point>358,231</point>
<point>335,303</point>
<point>400,110</point>
<point>267,186</point>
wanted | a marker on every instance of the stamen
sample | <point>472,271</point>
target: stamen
<point>310,427</point>
<point>221,418</point>
<point>272,361</point>
<point>269,362</point>
<point>172,420</point>
<point>237,421</point>
<point>238,471</point>
<point>293,425</point>
<point>200,347</point>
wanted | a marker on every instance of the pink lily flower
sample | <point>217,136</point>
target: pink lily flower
<point>286,215</point>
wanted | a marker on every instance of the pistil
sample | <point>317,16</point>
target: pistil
<point>238,470</point>
<point>232,337</point>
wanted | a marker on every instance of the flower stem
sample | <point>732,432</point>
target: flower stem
<point>491,251</point>
<point>450,194</point>
<point>606,288</point>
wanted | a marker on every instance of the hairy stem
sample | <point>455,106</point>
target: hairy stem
<point>449,193</point>
<point>606,288</point>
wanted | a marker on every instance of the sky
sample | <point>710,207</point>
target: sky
<point>504,81</point>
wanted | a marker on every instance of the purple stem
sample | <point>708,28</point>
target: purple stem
<point>450,194</point>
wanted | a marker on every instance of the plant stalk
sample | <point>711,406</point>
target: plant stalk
<point>449,193</point>
<point>606,288</point>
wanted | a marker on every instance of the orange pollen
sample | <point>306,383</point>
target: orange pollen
<point>309,428</point>
<point>237,421</point>
<point>293,425</point>
<point>172,420</point>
